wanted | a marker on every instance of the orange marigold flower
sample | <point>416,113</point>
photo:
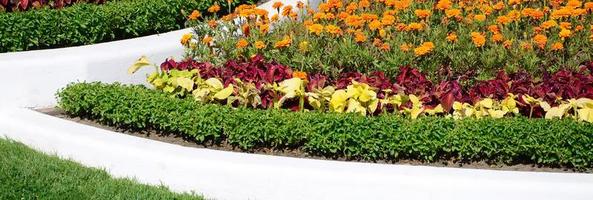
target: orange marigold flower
<point>299,74</point>
<point>277,5</point>
<point>405,47</point>
<point>385,47</point>
<point>579,28</point>
<point>415,27</point>
<point>588,6</point>
<point>285,42</point>
<point>316,28</point>
<point>369,17</point>
<point>422,13</point>
<point>548,24</point>
<point>564,33</point>
<point>374,25</point>
<point>478,39</point>
<point>498,6</point>
<point>452,37</point>
<point>503,20</point>
<point>453,13</point>
<point>493,28</point>
<point>264,28</point>
<point>333,29</point>
<point>194,15</point>
<point>388,20</point>
<point>206,40</point>
<point>242,43</point>
<point>214,8</point>
<point>186,38</point>
<point>364,4</point>
<point>212,23</point>
<point>382,33</point>
<point>479,18</point>
<point>573,3</point>
<point>274,17</point>
<point>565,25</point>
<point>526,45</point>
<point>300,5</point>
<point>444,4</point>
<point>359,37</point>
<point>557,46</point>
<point>497,37</point>
<point>540,40</point>
<point>286,10</point>
<point>354,21</point>
<point>259,44</point>
<point>424,49</point>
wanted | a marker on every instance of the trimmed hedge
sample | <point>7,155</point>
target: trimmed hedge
<point>565,143</point>
<point>84,23</point>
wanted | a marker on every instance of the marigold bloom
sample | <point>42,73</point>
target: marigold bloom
<point>565,33</point>
<point>493,28</point>
<point>588,6</point>
<point>194,15</point>
<point>507,44</point>
<point>405,47</point>
<point>242,43</point>
<point>212,23</point>
<point>186,38</point>
<point>354,21</point>
<point>479,18</point>
<point>206,40</point>
<point>259,44</point>
<point>360,37</point>
<point>277,5</point>
<point>503,20</point>
<point>333,29</point>
<point>415,27</point>
<point>374,25</point>
<point>453,13</point>
<point>316,28</point>
<point>300,5</point>
<point>557,46</point>
<point>274,17</point>
<point>264,28</point>
<point>478,39</point>
<point>388,20</point>
<point>498,6</point>
<point>540,40</point>
<point>497,37</point>
<point>299,74</point>
<point>424,49</point>
<point>422,14</point>
<point>444,4</point>
<point>285,42</point>
<point>452,37</point>
<point>548,24</point>
<point>214,8</point>
<point>287,10</point>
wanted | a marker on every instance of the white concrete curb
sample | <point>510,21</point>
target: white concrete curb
<point>229,175</point>
<point>31,79</point>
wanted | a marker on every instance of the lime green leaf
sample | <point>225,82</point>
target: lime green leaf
<point>225,93</point>
<point>141,62</point>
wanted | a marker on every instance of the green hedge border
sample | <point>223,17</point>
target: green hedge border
<point>83,23</point>
<point>555,143</point>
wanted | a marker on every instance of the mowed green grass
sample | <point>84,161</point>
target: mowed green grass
<point>27,174</point>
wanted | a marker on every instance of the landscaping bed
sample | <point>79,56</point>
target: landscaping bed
<point>562,144</point>
<point>85,23</point>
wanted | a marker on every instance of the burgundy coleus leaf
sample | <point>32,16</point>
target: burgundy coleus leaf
<point>412,81</point>
<point>316,81</point>
<point>58,4</point>
<point>345,79</point>
<point>168,65</point>
<point>447,92</point>
<point>4,2</point>
<point>23,4</point>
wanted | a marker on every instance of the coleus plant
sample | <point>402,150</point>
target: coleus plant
<point>255,82</point>
<point>21,5</point>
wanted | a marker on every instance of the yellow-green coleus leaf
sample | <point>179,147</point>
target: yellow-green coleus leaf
<point>585,114</point>
<point>509,104</point>
<point>214,83</point>
<point>224,93</point>
<point>141,62</point>
<point>185,83</point>
<point>356,107</point>
<point>338,101</point>
<point>291,87</point>
<point>436,110</point>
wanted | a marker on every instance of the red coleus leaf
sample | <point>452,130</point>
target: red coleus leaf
<point>23,4</point>
<point>447,92</point>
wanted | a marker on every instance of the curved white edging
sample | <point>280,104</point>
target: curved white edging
<point>229,175</point>
<point>31,78</point>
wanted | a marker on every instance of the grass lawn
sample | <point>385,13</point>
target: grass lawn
<point>27,174</point>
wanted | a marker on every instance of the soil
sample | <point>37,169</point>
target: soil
<point>298,153</point>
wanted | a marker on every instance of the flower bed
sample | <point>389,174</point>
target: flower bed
<point>444,39</point>
<point>386,137</point>
<point>23,5</point>
<point>83,23</point>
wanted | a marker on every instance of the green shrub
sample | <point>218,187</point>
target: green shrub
<point>83,23</point>
<point>565,143</point>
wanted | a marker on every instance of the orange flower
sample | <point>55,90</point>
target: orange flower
<point>214,8</point>
<point>277,5</point>
<point>274,17</point>
<point>374,25</point>
<point>286,10</point>
<point>259,44</point>
<point>354,21</point>
<point>385,47</point>
<point>503,20</point>
<point>300,5</point>
<point>565,25</point>
<point>405,47</point>
<point>415,27</point>
<point>453,13</point>
<point>422,14</point>
<point>242,43</point>
<point>264,28</point>
<point>557,46</point>
<point>478,39</point>
<point>360,37</point>
<point>388,20</point>
<point>206,40</point>
<point>212,23</point>
<point>548,24</point>
<point>564,33</point>
<point>333,29</point>
<point>452,37</point>
<point>497,37</point>
<point>444,4</point>
<point>424,49</point>
<point>540,40</point>
<point>316,28</point>
<point>588,6</point>
<point>498,6</point>
<point>285,42</point>
<point>493,28</point>
<point>479,18</point>
<point>194,15</point>
<point>507,44</point>
<point>186,38</point>
<point>299,74</point>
